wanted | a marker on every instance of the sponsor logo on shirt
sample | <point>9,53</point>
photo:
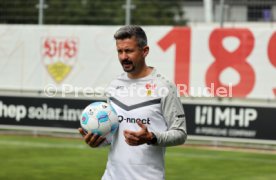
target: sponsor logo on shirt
<point>133,120</point>
<point>119,87</point>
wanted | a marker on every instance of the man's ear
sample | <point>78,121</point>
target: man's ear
<point>145,51</point>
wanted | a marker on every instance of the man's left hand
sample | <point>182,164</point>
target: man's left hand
<point>135,138</point>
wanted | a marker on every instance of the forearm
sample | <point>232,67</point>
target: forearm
<point>171,138</point>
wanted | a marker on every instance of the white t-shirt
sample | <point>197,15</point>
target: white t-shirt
<point>153,101</point>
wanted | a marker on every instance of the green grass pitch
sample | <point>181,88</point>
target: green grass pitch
<point>26,157</point>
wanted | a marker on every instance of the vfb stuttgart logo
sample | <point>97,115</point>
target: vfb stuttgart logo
<point>59,54</point>
<point>150,87</point>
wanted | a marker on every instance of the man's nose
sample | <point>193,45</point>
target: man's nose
<point>124,56</point>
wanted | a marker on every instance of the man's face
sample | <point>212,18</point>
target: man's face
<point>130,55</point>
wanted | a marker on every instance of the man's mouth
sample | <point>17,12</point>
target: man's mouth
<point>127,65</point>
<point>126,62</point>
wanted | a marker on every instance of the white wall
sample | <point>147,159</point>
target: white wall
<point>237,14</point>
<point>274,13</point>
<point>231,13</point>
<point>194,13</point>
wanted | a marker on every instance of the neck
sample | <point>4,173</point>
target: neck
<point>143,73</point>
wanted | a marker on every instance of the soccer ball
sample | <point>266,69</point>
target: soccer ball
<point>100,118</point>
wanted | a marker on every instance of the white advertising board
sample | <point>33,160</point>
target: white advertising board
<point>204,61</point>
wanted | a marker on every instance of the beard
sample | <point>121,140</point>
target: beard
<point>128,66</point>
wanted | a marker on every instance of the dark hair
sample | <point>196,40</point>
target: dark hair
<point>130,31</point>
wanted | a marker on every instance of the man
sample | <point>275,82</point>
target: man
<point>151,115</point>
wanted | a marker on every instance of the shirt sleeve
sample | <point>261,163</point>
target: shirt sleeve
<point>174,115</point>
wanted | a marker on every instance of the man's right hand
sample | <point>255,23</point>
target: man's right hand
<point>93,140</point>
